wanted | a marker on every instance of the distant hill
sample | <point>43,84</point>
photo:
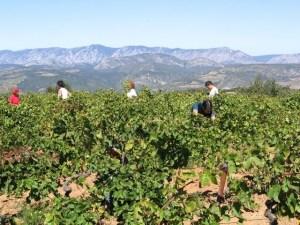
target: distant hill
<point>150,60</point>
<point>94,54</point>
<point>56,56</point>
<point>285,59</point>
<point>219,55</point>
<point>152,74</point>
<point>264,58</point>
<point>96,66</point>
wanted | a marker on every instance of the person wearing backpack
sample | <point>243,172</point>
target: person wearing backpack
<point>204,108</point>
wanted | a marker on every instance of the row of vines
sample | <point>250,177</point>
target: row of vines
<point>136,148</point>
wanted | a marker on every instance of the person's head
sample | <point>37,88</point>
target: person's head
<point>209,84</point>
<point>131,84</point>
<point>15,91</point>
<point>60,84</point>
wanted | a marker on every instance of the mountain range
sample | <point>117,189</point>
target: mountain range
<point>98,66</point>
<point>94,54</point>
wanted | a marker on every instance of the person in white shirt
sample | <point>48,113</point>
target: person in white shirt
<point>132,92</point>
<point>213,90</point>
<point>205,108</point>
<point>63,93</point>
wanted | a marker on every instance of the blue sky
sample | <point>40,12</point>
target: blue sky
<point>253,26</point>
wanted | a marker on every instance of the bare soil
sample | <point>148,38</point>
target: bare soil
<point>251,218</point>
<point>80,191</point>
<point>10,205</point>
<point>18,154</point>
<point>14,155</point>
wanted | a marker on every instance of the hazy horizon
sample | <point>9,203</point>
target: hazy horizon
<point>252,26</point>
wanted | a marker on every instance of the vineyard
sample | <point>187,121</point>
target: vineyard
<point>142,153</point>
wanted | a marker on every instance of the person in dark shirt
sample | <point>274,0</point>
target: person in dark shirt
<point>204,108</point>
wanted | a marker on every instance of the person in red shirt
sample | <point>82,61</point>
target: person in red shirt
<point>14,98</point>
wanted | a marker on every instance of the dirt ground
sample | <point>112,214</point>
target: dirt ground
<point>251,218</point>
<point>13,155</point>
<point>10,205</point>
<point>78,191</point>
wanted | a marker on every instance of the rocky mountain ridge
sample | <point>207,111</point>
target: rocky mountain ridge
<point>95,54</point>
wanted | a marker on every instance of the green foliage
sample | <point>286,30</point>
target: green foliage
<point>155,137</point>
<point>32,216</point>
<point>126,85</point>
<point>51,90</point>
<point>267,87</point>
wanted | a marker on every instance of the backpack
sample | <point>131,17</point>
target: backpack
<point>207,107</point>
